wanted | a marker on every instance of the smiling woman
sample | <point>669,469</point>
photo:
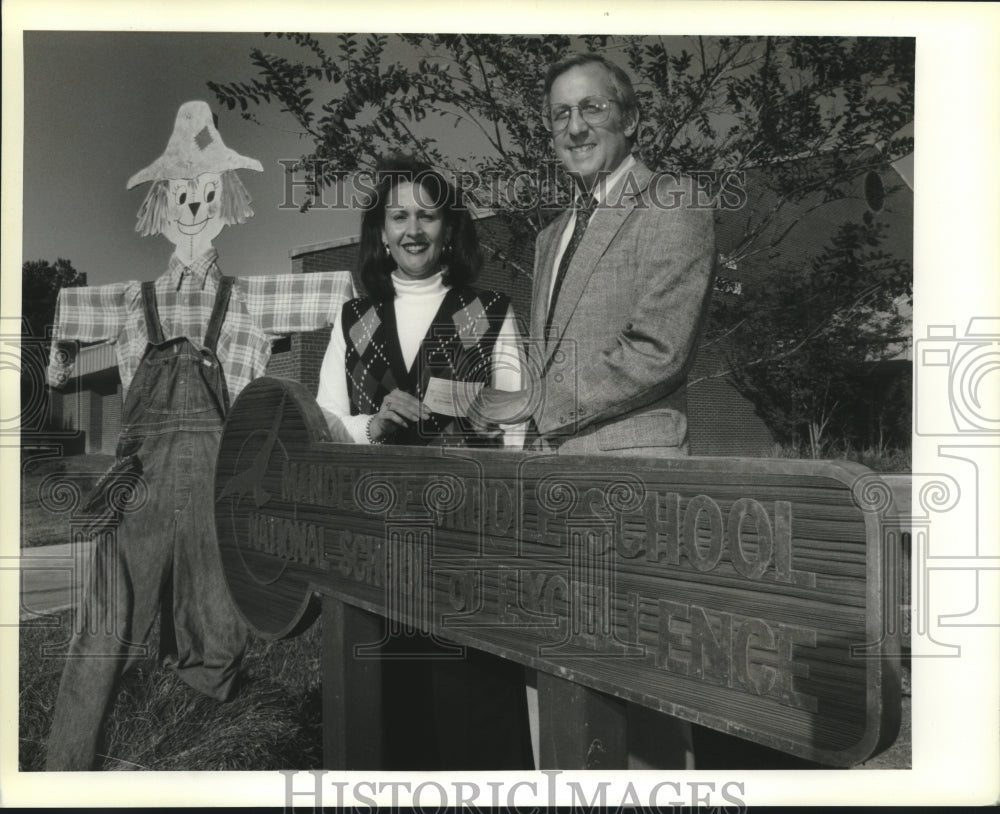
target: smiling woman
<point>414,233</point>
<point>422,326</point>
<point>418,257</point>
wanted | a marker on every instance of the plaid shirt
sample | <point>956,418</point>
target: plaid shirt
<point>260,308</point>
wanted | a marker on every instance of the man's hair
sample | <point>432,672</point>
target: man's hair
<point>620,80</point>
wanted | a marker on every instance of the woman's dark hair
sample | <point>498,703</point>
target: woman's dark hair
<point>461,252</point>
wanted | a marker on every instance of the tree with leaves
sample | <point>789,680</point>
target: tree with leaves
<point>40,285</point>
<point>804,116</point>
<point>825,323</point>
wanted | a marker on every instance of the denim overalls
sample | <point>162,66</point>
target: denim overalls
<point>164,556</point>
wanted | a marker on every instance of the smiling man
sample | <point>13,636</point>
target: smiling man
<point>622,279</point>
<point>621,286</point>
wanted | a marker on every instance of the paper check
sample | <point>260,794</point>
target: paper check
<point>448,397</point>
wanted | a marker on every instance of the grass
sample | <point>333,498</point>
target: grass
<point>41,481</point>
<point>157,722</point>
<point>274,722</point>
<point>892,460</point>
<point>879,459</point>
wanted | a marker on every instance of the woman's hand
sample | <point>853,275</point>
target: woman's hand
<point>398,409</point>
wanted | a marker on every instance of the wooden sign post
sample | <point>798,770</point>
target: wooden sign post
<point>746,595</point>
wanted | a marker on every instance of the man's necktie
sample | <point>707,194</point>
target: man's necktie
<point>583,212</point>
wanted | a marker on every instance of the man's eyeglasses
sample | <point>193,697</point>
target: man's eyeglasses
<point>593,110</point>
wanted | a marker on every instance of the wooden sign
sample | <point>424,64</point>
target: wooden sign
<point>742,594</point>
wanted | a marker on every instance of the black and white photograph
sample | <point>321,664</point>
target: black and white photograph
<point>496,418</point>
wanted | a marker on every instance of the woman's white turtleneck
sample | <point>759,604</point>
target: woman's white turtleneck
<point>416,303</point>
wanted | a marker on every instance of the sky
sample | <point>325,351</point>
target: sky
<point>99,106</point>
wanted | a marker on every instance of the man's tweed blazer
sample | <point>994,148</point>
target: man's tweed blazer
<point>627,319</point>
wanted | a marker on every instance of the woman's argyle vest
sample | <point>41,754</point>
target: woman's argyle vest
<point>458,347</point>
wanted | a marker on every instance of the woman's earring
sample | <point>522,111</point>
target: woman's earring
<point>386,247</point>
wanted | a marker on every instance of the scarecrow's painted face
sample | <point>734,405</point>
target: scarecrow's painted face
<point>194,210</point>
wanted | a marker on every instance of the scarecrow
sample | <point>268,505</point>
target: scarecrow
<point>186,344</point>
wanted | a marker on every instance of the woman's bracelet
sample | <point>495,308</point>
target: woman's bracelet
<point>368,432</point>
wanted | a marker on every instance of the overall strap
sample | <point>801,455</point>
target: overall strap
<point>218,312</point>
<point>153,330</point>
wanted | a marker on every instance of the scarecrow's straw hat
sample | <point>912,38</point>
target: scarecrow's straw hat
<point>195,147</point>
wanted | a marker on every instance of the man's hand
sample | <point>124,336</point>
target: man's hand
<point>493,407</point>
